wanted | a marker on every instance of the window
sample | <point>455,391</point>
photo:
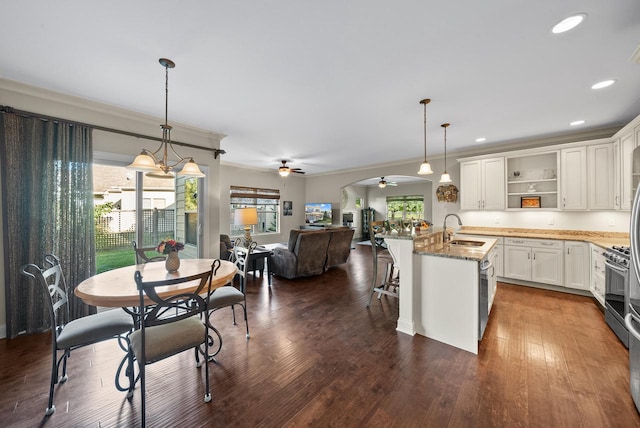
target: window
<point>267,203</point>
<point>405,207</point>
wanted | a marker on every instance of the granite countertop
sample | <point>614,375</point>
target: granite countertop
<point>428,242</point>
<point>602,239</point>
<point>463,252</point>
<point>413,234</point>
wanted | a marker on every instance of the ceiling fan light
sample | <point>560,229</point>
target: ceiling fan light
<point>445,178</point>
<point>382,184</point>
<point>191,169</point>
<point>284,171</point>
<point>143,162</point>
<point>425,168</point>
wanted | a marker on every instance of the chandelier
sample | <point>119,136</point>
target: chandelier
<point>425,167</point>
<point>161,167</point>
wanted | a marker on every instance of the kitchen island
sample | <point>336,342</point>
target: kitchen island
<point>441,288</point>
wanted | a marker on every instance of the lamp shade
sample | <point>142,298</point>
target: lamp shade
<point>245,216</point>
<point>425,168</point>
<point>445,178</point>
<point>191,169</point>
<point>143,162</point>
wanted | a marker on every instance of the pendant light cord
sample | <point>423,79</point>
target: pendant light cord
<point>445,148</point>
<point>425,131</point>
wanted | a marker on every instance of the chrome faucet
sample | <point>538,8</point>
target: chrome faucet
<point>444,226</point>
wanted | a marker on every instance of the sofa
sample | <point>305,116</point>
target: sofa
<point>226,247</point>
<point>312,252</point>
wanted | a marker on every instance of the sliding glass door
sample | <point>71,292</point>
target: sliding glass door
<point>132,206</point>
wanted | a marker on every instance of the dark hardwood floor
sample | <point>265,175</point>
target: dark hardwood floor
<point>318,356</point>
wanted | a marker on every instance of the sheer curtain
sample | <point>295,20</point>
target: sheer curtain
<point>48,208</point>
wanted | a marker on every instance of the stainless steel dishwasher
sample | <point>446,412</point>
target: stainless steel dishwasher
<point>486,273</point>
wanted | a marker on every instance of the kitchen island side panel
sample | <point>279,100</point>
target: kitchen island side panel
<point>448,296</point>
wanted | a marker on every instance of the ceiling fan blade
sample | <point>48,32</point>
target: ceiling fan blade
<point>297,171</point>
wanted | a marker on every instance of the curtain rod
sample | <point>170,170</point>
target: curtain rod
<point>7,109</point>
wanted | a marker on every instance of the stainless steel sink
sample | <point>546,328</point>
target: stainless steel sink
<point>465,243</point>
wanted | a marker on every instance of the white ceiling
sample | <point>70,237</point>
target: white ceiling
<point>333,84</point>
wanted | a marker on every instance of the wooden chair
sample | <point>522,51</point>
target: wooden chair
<point>66,334</point>
<point>171,325</point>
<point>142,257</point>
<point>391,279</point>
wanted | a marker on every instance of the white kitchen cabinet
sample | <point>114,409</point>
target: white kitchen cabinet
<point>532,175</point>
<point>597,273</point>
<point>482,184</point>
<point>573,175</point>
<point>576,265</point>
<point>547,266</point>
<point>601,184</point>
<point>617,179</point>
<point>627,144</point>
<point>517,262</point>
<point>537,260</point>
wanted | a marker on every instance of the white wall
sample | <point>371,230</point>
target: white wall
<point>121,149</point>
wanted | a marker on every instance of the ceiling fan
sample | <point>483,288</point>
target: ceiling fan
<point>383,183</point>
<point>285,170</point>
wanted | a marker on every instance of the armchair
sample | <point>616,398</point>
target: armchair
<point>305,255</point>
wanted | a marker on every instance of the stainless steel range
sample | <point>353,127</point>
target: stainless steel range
<point>617,282</point>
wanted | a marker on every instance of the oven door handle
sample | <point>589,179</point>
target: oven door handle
<point>616,268</point>
<point>627,320</point>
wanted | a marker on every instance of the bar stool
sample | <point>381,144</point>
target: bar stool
<point>391,280</point>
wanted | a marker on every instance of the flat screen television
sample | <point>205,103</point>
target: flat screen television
<point>317,213</point>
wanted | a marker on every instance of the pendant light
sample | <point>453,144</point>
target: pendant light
<point>425,167</point>
<point>445,178</point>
<point>149,162</point>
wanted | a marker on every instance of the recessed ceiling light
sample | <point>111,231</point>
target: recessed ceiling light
<point>603,84</point>
<point>568,23</point>
<point>578,122</point>
<point>480,140</point>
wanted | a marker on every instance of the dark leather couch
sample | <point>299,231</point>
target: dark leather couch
<point>226,247</point>
<point>311,252</point>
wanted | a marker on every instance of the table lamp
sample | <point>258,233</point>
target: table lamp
<point>246,217</point>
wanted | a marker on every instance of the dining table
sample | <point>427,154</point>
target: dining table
<point>117,288</point>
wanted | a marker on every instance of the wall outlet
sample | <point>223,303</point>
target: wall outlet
<point>497,220</point>
<point>550,221</point>
<point>612,222</point>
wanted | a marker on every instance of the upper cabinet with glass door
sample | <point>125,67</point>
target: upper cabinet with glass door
<point>532,181</point>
